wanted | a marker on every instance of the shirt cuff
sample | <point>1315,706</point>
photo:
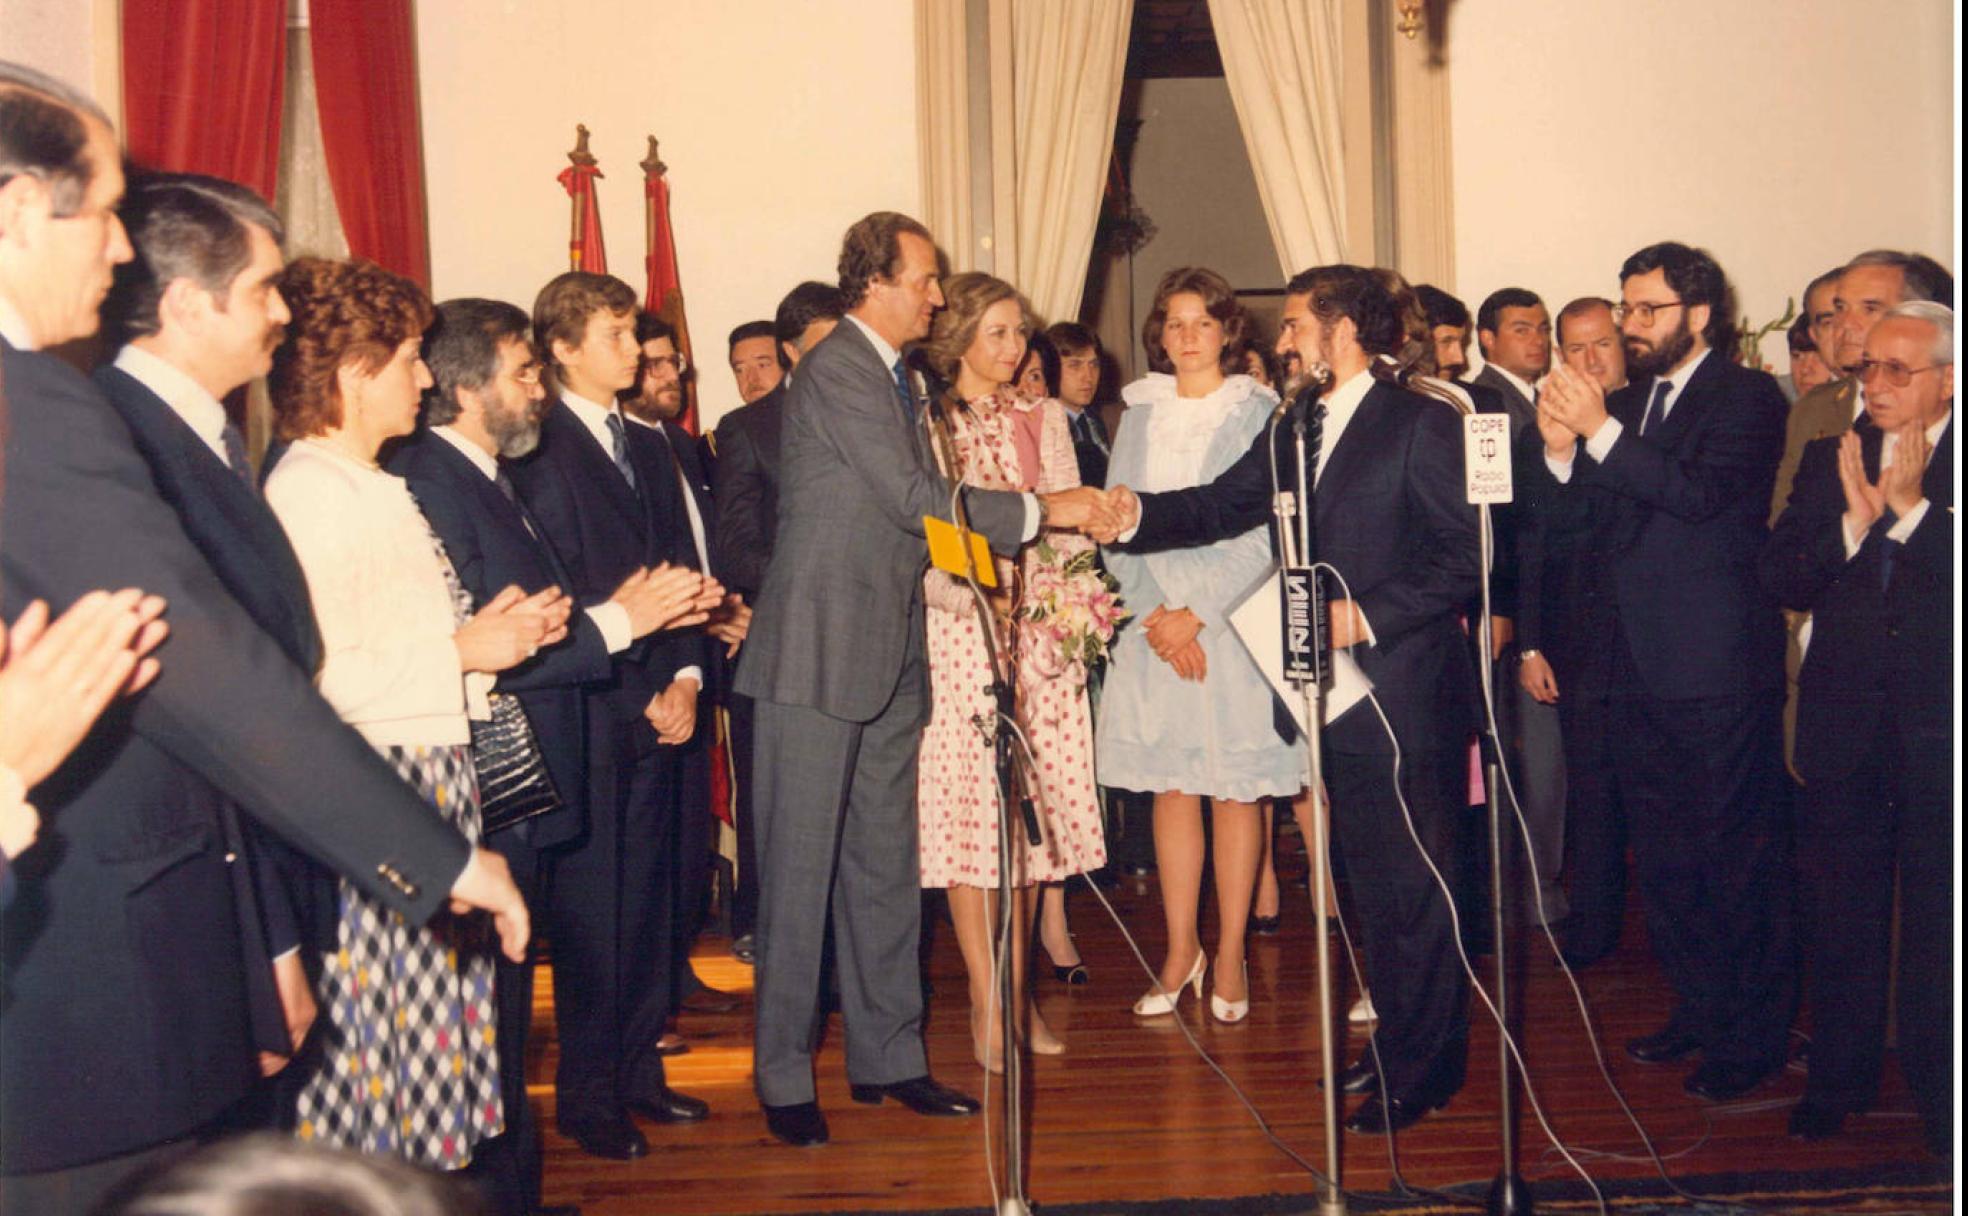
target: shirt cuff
<point>1851,542</point>
<point>689,673</point>
<point>1601,443</point>
<point>1032,516</point>
<point>478,695</point>
<point>1903,530</point>
<point>1561,470</point>
<point>291,950</point>
<point>613,621</point>
<point>1365,624</point>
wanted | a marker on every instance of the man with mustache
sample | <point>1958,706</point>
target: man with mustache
<point>484,407</point>
<point>1671,478</point>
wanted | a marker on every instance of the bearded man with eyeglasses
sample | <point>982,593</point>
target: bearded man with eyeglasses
<point>1671,477</point>
<point>1867,547</point>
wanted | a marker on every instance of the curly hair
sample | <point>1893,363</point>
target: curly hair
<point>966,298</point>
<point>871,250</point>
<point>1357,293</point>
<point>351,312</point>
<point>1219,298</point>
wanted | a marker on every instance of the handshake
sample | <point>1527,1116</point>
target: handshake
<point>1100,514</point>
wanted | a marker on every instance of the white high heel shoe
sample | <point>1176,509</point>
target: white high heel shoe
<point>1156,1002</point>
<point>1231,1012</point>
<point>1362,1011</point>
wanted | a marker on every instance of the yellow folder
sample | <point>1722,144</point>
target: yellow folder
<point>946,550</point>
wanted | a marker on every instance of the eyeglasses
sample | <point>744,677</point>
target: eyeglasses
<point>1898,374</point>
<point>528,375</point>
<point>677,363</point>
<point>1643,313</point>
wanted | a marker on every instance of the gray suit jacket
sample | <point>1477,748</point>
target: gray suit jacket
<point>845,584</point>
<point>1521,409</point>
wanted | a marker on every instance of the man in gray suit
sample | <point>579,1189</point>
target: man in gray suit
<point>835,662</point>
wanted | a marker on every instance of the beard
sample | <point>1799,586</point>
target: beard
<point>1645,358</point>
<point>515,432</point>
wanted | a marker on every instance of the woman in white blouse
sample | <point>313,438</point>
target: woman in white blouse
<point>1186,712</point>
<point>408,1064</point>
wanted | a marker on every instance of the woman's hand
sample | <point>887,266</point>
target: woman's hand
<point>56,679</point>
<point>1171,630</point>
<point>512,628</point>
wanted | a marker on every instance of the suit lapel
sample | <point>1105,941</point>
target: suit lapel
<point>596,465</point>
<point>1352,456</point>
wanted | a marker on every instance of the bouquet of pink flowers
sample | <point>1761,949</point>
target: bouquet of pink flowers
<point>1067,614</point>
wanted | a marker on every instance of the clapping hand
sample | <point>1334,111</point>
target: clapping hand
<point>1573,401</point>
<point>1899,481</point>
<point>511,628</point>
<point>730,622</point>
<point>56,679</point>
<point>667,597</point>
<point>1865,502</point>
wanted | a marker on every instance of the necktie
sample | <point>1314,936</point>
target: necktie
<point>1315,440</point>
<point>902,391</point>
<point>618,442</point>
<point>235,456</point>
<point>1656,408</point>
<point>512,496</point>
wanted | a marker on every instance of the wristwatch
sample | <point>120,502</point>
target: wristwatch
<point>1532,653</point>
<point>1045,512</point>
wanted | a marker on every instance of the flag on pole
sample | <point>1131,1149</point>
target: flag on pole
<point>665,294</point>
<point>584,249</point>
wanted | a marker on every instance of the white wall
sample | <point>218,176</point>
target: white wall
<point>1783,137</point>
<point>781,123</point>
<point>73,40</point>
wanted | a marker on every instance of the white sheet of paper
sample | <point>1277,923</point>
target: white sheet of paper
<point>1259,621</point>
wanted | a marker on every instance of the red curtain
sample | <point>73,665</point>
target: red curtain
<point>365,72</point>
<point>202,87</point>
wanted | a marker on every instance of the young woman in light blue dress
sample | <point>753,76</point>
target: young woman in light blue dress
<point>1186,713</point>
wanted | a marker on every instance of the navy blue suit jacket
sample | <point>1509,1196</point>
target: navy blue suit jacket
<point>486,537</point>
<point>1390,515</point>
<point>601,530</point>
<point>1678,518</point>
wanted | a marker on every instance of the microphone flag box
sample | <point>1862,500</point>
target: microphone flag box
<point>1486,457</point>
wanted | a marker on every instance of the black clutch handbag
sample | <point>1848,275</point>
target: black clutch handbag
<point>513,782</point>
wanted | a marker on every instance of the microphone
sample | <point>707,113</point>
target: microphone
<point>1318,377</point>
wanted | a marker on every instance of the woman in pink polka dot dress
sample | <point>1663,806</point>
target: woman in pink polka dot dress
<point>1000,439</point>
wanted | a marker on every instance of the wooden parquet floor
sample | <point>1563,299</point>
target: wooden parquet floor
<point>1131,1113</point>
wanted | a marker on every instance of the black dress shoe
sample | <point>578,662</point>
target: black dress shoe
<point>1264,926</point>
<point>1357,1078</point>
<point>1663,1046</point>
<point>800,1125</point>
<point>669,1106</point>
<point>1377,1118</point>
<point>744,948</point>
<point>611,1138</point>
<point>1811,1120</point>
<point>920,1094</point>
<point>1725,1082</point>
<point>672,1045</point>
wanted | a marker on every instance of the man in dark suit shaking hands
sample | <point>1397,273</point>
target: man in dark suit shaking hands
<point>1674,472</point>
<point>835,661</point>
<point>1391,516</point>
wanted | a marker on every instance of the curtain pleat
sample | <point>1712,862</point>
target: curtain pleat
<point>365,69</point>
<point>202,87</point>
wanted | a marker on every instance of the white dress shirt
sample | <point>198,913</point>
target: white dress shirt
<point>13,327</point>
<point>689,495</point>
<point>1601,443</point>
<point>594,416</point>
<point>389,664</point>
<point>200,410</point>
<point>610,618</point>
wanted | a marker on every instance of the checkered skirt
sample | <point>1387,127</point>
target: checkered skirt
<point>408,1063</point>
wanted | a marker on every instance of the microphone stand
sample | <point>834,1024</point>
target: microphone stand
<point>1004,756</point>
<point>1304,624</point>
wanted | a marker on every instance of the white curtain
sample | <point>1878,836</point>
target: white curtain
<point>1067,61</point>
<point>1281,59</point>
<point>943,127</point>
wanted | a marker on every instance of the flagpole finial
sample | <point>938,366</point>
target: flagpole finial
<point>652,165</point>
<point>580,156</point>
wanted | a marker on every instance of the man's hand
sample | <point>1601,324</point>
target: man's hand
<point>1576,402</point>
<point>667,597</point>
<point>1075,509</point>
<point>1346,625</point>
<point>1123,512</point>
<point>297,1002</point>
<point>730,623</point>
<point>1864,501</point>
<point>486,884</point>
<point>56,679</point>
<point>1899,481</point>
<point>1535,674</point>
<point>673,712</point>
